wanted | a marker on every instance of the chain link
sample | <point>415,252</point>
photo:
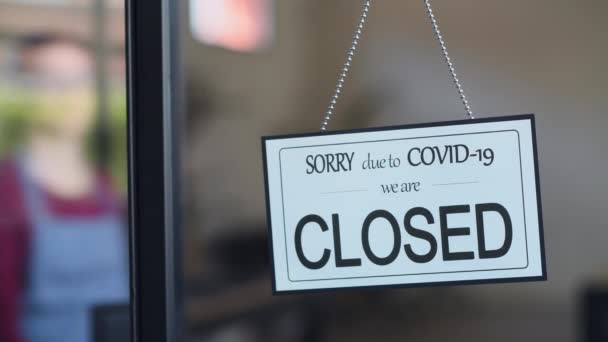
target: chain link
<point>444,50</point>
<point>355,44</point>
<point>346,66</point>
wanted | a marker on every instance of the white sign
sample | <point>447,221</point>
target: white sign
<point>443,203</point>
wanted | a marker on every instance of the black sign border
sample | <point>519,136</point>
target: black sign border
<point>529,117</point>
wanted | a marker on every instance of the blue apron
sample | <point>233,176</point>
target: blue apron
<point>75,264</point>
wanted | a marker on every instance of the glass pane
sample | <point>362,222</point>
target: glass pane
<point>512,57</point>
<point>64,272</point>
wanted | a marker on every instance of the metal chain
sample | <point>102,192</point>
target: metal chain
<point>346,66</point>
<point>444,50</point>
<point>353,48</point>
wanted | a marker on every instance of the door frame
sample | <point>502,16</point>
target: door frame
<point>153,83</point>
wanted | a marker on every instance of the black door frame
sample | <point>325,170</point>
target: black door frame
<point>153,83</point>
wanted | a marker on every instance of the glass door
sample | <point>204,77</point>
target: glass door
<point>208,78</point>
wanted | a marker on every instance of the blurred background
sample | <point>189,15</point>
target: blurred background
<point>261,67</point>
<point>63,157</point>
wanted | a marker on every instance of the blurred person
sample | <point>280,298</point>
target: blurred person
<point>63,247</point>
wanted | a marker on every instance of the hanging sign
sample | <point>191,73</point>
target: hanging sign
<point>443,203</point>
